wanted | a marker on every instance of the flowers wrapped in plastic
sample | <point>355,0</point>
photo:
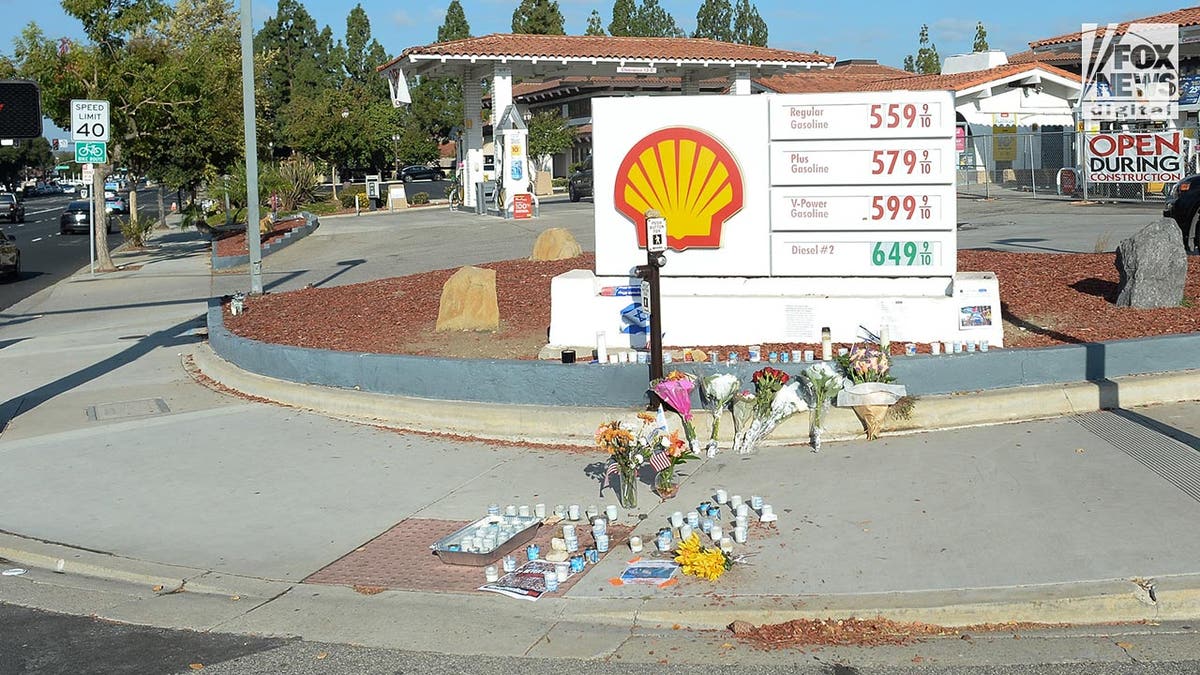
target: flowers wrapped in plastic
<point>782,404</point>
<point>822,384</point>
<point>672,452</point>
<point>717,392</point>
<point>872,390</point>
<point>676,391</point>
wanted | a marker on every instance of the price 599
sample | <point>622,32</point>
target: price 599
<point>893,207</point>
<point>884,162</point>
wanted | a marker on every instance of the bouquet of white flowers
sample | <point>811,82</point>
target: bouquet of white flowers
<point>717,391</point>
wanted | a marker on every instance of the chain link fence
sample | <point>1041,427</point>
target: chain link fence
<point>1045,164</point>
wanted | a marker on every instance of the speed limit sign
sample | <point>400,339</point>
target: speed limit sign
<point>89,120</point>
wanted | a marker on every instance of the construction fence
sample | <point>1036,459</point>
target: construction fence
<point>1047,163</point>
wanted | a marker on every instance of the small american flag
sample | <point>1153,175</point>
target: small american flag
<point>660,460</point>
<point>608,474</point>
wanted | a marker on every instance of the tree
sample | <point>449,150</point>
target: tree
<point>538,17</point>
<point>362,53</point>
<point>910,64</point>
<point>624,12</point>
<point>651,20</point>
<point>549,134</point>
<point>298,61</point>
<point>928,62</point>
<point>981,43</point>
<point>122,56</point>
<point>714,20</point>
<point>455,26</point>
<point>595,25</point>
<point>748,27</point>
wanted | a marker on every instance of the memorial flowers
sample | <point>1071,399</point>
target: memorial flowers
<point>822,384</point>
<point>672,452</point>
<point>769,410</point>
<point>701,561</point>
<point>717,392</point>
<point>676,391</point>
<point>629,445</point>
<point>871,393</point>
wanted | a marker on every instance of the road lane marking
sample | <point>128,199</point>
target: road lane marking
<point>34,241</point>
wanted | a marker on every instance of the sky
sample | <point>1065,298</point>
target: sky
<point>885,31</point>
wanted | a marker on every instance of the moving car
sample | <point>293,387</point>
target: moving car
<point>411,173</point>
<point>115,203</point>
<point>1183,205</point>
<point>579,185</point>
<point>12,208</point>
<point>10,257</point>
<point>78,218</point>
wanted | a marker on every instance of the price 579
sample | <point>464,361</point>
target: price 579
<point>885,161</point>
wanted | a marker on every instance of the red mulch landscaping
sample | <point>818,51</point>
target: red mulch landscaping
<point>235,243</point>
<point>1047,299</point>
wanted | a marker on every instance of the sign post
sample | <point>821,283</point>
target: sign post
<point>656,246</point>
<point>89,131</point>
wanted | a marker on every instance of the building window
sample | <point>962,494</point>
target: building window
<point>579,108</point>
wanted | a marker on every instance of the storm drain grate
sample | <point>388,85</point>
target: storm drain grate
<point>124,409</point>
<point>1179,464</point>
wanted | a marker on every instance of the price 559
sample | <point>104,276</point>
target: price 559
<point>895,115</point>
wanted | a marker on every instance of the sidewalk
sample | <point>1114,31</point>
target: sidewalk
<point>146,478</point>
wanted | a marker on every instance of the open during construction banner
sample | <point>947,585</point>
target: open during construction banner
<point>1147,157</point>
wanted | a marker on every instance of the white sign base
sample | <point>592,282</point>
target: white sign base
<point>702,311</point>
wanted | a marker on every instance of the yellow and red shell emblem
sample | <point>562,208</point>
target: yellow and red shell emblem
<point>689,178</point>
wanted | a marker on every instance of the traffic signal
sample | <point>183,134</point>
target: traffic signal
<point>20,109</point>
<point>56,145</point>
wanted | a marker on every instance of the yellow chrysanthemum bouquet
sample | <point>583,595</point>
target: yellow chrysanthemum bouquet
<point>701,561</point>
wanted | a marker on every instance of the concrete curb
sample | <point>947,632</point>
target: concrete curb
<point>290,237</point>
<point>567,425</point>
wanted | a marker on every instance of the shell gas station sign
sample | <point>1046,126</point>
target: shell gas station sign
<point>784,214</point>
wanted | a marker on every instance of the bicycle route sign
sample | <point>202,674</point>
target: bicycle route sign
<point>91,152</point>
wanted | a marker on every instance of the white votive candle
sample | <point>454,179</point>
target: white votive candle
<point>739,535</point>
<point>742,510</point>
<point>677,519</point>
<point>635,544</point>
<point>573,512</point>
<point>539,510</point>
<point>523,510</point>
<point>722,496</point>
<point>685,532</point>
<point>716,533</point>
<point>490,573</point>
<point>726,545</point>
<point>735,501</point>
<point>611,512</point>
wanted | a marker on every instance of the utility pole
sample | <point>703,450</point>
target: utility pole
<point>251,133</point>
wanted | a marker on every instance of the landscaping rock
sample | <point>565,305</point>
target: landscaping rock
<point>469,301</point>
<point>555,243</point>
<point>1152,265</point>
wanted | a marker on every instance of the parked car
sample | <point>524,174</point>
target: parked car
<point>12,208</point>
<point>10,256</point>
<point>579,185</point>
<point>1183,205</point>
<point>77,217</point>
<point>411,173</point>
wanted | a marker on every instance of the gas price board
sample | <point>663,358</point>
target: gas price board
<point>863,184</point>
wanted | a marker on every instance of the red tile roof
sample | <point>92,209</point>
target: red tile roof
<point>607,48</point>
<point>1054,57</point>
<point>967,80</point>
<point>851,76</point>
<point>830,81</point>
<point>1188,16</point>
<point>598,82</point>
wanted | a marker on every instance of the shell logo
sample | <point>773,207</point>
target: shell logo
<point>689,177</point>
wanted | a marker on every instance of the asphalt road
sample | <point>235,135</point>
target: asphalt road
<point>47,256</point>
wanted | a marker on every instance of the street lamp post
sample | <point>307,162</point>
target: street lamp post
<point>334,174</point>
<point>396,156</point>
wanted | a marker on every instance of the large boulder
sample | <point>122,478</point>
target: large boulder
<point>469,301</point>
<point>1152,265</point>
<point>555,243</point>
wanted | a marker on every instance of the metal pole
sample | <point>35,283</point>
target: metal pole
<point>1032,170</point>
<point>251,134</point>
<point>656,354</point>
<point>92,231</point>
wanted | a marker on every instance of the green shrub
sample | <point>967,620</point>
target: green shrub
<point>299,179</point>
<point>573,167</point>
<point>559,182</point>
<point>346,196</point>
<point>419,198</point>
<point>323,208</point>
<point>135,228</point>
